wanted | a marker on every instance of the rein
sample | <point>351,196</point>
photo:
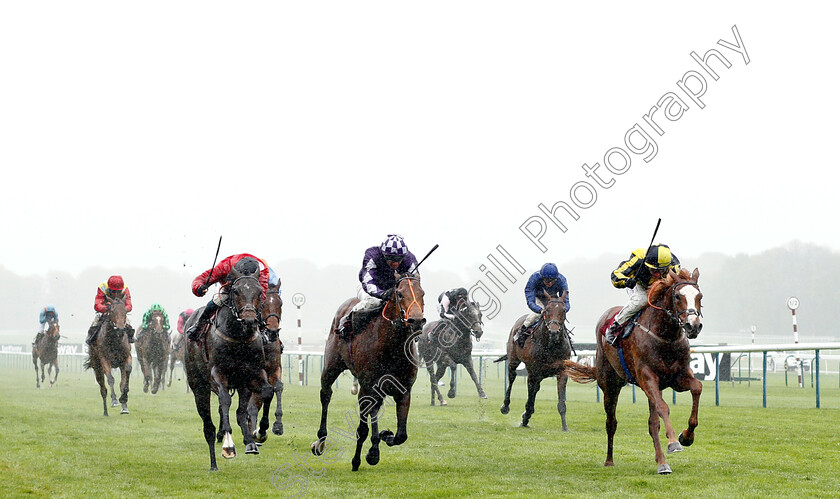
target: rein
<point>403,314</point>
<point>247,307</point>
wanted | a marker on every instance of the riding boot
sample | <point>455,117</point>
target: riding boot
<point>613,333</point>
<point>195,331</point>
<point>37,338</point>
<point>91,334</point>
<point>520,336</point>
<point>130,332</point>
<point>344,327</point>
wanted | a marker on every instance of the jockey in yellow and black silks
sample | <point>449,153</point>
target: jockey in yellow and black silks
<point>636,274</point>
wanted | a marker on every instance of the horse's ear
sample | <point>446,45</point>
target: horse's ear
<point>695,274</point>
<point>673,275</point>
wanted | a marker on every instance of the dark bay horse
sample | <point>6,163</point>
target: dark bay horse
<point>447,343</point>
<point>656,355</point>
<point>383,356</point>
<point>47,351</point>
<point>153,352</point>
<point>111,350</point>
<point>230,359</point>
<point>272,313</point>
<point>544,355</point>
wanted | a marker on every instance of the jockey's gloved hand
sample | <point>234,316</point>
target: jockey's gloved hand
<point>202,290</point>
<point>630,283</point>
<point>386,295</point>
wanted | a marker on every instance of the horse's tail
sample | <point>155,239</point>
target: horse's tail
<point>503,357</point>
<point>92,361</point>
<point>580,373</point>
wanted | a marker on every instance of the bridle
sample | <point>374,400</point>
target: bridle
<point>561,324</point>
<point>674,315</point>
<point>402,319</point>
<point>462,305</point>
<point>249,307</point>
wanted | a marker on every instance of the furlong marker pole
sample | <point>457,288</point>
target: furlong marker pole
<point>300,347</point>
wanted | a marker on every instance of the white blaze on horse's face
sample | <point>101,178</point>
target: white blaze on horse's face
<point>692,321</point>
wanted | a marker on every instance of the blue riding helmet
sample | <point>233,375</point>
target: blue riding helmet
<point>549,271</point>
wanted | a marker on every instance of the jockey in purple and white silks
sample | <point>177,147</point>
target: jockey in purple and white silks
<point>377,277</point>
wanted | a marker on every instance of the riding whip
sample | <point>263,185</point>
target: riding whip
<point>219,246</point>
<point>427,256</point>
<point>658,221</point>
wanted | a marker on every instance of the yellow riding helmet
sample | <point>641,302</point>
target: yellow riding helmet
<point>658,257</point>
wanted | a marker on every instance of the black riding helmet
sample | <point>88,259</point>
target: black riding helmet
<point>247,266</point>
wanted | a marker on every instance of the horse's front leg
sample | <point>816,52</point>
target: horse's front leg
<point>277,427</point>
<point>372,456</point>
<point>245,412</point>
<point>403,401</point>
<point>54,365</point>
<point>562,380</point>
<point>649,382</point>
<point>125,373</point>
<point>686,438</point>
<point>225,400</point>
<point>106,367</point>
<point>35,364</point>
<point>468,365</point>
<point>533,388</point>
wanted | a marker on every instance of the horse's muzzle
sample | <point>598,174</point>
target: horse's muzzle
<point>416,325</point>
<point>692,330</point>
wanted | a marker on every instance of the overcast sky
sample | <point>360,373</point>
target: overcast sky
<point>137,134</point>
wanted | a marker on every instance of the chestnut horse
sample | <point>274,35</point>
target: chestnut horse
<point>544,354</point>
<point>111,350</point>
<point>447,343</point>
<point>230,358</point>
<point>153,352</point>
<point>47,351</point>
<point>655,356</point>
<point>271,312</point>
<point>383,356</point>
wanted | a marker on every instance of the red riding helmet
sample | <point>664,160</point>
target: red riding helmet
<point>115,283</point>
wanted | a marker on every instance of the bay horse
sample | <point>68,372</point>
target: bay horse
<point>271,312</point>
<point>177,349</point>
<point>447,343</point>
<point>544,354</point>
<point>111,350</point>
<point>383,356</point>
<point>230,358</point>
<point>47,351</point>
<point>153,352</point>
<point>655,356</point>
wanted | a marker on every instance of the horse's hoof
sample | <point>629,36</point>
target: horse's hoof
<point>145,388</point>
<point>524,424</point>
<point>674,447</point>
<point>505,409</point>
<point>114,403</point>
<point>252,449</point>
<point>664,469</point>
<point>372,457</point>
<point>451,394</point>
<point>124,410</point>
<point>387,436</point>
<point>318,446</point>
<point>686,442</point>
<point>228,452</point>
<point>443,403</point>
<point>482,395</point>
<point>277,428</point>
<point>260,439</point>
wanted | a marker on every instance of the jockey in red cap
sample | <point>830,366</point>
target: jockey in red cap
<point>113,289</point>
